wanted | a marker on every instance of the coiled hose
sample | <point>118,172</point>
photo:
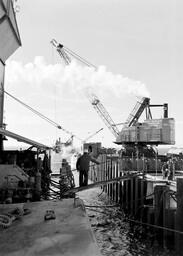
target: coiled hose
<point>6,219</point>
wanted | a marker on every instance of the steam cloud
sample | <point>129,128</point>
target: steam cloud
<point>70,80</point>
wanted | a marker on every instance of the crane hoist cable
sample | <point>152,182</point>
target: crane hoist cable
<point>39,114</point>
<point>64,51</point>
<point>93,134</point>
<point>77,56</point>
<point>34,111</point>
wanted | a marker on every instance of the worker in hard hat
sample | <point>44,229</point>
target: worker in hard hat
<point>82,165</point>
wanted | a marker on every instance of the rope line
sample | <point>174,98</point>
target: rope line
<point>155,226</point>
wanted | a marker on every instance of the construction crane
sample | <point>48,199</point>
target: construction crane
<point>65,53</point>
<point>137,111</point>
<point>144,104</point>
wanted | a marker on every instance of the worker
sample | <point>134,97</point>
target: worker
<point>46,171</point>
<point>39,164</point>
<point>171,167</point>
<point>82,165</point>
<point>90,150</point>
<point>165,170</point>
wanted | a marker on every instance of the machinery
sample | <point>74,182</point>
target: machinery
<point>9,43</point>
<point>137,138</point>
<point>64,53</point>
<point>59,145</point>
<point>24,175</point>
<point>151,131</point>
<point>20,171</point>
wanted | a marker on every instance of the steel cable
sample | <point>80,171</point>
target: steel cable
<point>40,115</point>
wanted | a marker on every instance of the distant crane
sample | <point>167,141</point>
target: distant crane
<point>59,145</point>
<point>64,53</point>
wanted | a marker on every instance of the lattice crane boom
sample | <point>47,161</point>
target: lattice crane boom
<point>102,112</point>
<point>96,103</point>
<point>61,51</point>
<point>137,111</point>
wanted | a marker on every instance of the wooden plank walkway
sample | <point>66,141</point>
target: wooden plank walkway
<point>101,183</point>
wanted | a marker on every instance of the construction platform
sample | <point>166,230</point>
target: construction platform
<point>68,234</point>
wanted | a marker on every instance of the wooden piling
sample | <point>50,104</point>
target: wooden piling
<point>132,197</point>
<point>127,205</point>
<point>113,184</point>
<point>117,184</point>
<point>143,190</point>
<point>108,177</point>
<point>159,192</point>
<point>179,215</point>
<point>136,196</point>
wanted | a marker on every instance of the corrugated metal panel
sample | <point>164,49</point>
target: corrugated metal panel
<point>2,12</point>
<point>13,20</point>
<point>9,35</point>
<point>160,131</point>
<point>6,2</point>
<point>153,123</point>
<point>168,131</point>
<point>133,134</point>
<point>8,42</point>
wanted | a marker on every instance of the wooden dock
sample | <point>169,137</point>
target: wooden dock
<point>147,200</point>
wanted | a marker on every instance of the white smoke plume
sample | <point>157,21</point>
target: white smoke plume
<point>70,80</point>
<point>58,92</point>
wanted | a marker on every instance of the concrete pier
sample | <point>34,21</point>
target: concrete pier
<point>69,234</point>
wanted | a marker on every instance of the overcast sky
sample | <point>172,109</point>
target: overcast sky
<point>136,45</point>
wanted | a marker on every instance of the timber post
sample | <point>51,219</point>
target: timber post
<point>159,192</point>
<point>179,215</point>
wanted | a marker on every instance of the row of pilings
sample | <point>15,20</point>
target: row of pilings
<point>150,202</point>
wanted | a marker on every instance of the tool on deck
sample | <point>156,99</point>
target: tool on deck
<point>49,215</point>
